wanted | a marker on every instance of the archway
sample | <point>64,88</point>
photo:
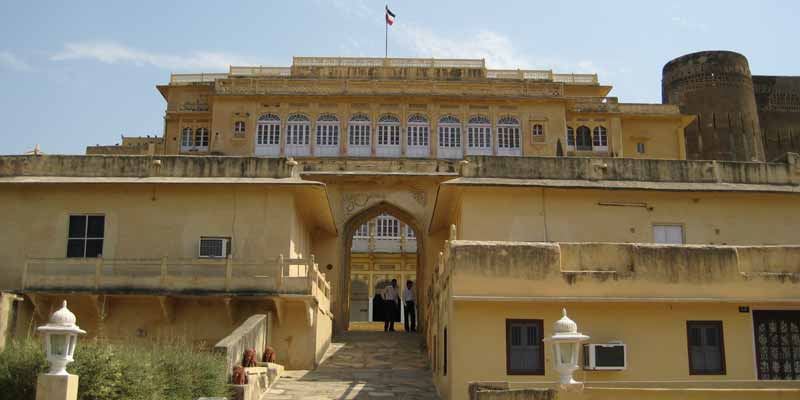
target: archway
<point>376,278</point>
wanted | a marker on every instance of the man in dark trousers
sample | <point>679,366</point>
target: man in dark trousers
<point>411,312</point>
<point>391,306</point>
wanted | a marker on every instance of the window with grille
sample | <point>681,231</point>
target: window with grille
<point>524,350</point>
<point>239,128</point>
<point>298,130</point>
<point>327,130</point>
<point>410,233</point>
<point>418,130</point>
<point>479,132</point>
<point>187,138</point>
<point>449,132</point>
<point>508,133</point>
<point>268,130</point>
<point>706,347</point>
<point>600,138</point>
<point>777,341</point>
<point>387,226</point>
<point>86,235</point>
<point>214,247</point>
<point>359,130</point>
<point>537,130</point>
<point>583,138</point>
<point>388,131</point>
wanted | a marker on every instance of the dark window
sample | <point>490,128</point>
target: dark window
<point>524,350</point>
<point>583,138</point>
<point>570,136</point>
<point>86,234</point>
<point>706,348</point>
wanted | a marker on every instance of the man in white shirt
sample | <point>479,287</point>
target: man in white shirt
<point>410,299</point>
<point>391,306</point>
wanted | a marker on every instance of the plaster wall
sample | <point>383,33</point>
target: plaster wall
<point>662,139</point>
<point>565,215</point>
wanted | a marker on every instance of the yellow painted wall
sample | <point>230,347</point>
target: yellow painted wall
<point>573,215</point>
<point>655,334</point>
<point>660,137</point>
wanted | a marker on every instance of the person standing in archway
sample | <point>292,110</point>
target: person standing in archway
<point>410,300</point>
<point>391,306</point>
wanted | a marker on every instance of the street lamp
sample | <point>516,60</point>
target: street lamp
<point>60,336</point>
<point>566,340</point>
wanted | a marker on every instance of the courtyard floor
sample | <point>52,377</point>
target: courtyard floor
<point>363,364</point>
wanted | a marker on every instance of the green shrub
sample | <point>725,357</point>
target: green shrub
<point>119,372</point>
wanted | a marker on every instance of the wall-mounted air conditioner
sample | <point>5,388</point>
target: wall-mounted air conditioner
<point>214,247</point>
<point>608,356</point>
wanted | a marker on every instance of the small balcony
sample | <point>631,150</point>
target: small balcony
<point>176,277</point>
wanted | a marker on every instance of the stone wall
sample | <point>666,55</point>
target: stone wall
<point>778,100</point>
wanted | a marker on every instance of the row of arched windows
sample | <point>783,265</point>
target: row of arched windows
<point>585,139</point>
<point>298,128</point>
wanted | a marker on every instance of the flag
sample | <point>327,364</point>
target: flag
<point>389,16</point>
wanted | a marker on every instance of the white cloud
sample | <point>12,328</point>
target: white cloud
<point>113,53</point>
<point>11,61</point>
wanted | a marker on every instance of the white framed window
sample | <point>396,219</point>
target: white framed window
<point>417,136</point>
<point>298,128</point>
<point>362,231</point>
<point>239,128</point>
<point>359,136</point>
<point>85,236</point>
<point>201,139</point>
<point>410,233</point>
<point>388,131</point>
<point>187,139</point>
<point>508,136</point>
<point>600,138</point>
<point>570,138</point>
<point>387,227</point>
<point>268,130</point>
<point>214,247</point>
<point>668,233</point>
<point>640,148</point>
<point>327,130</point>
<point>449,131</point>
<point>479,136</point>
<point>583,138</point>
<point>537,130</point>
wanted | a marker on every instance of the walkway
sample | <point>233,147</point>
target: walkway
<point>363,365</point>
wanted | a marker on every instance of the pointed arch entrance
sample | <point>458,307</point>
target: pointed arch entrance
<point>350,229</point>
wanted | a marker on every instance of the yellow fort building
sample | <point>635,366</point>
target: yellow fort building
<point>281,201</point>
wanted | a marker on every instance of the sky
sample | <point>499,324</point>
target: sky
<point>78,73</point>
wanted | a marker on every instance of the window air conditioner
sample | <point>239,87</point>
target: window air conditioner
<point>610,356</point>
<point>214,247</point>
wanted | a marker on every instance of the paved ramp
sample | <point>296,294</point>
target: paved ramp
<point>363,365</point>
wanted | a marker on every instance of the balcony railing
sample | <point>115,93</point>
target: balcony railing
<point>177,79</point>
<point>260,71</point>
<point>165,276</point>
<point>386,62</point>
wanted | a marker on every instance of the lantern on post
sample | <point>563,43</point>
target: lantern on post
<point>60,337</point>
<point>566,344</point>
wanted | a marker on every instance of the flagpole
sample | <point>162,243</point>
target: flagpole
<point>386,36</point>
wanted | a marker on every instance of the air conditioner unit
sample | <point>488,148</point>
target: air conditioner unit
<point>214,247</point>
<point>609,356</point>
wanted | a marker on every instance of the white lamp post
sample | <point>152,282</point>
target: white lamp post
<point>566,341</point>
<point>60,336</point>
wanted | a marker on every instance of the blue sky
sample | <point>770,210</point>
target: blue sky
<point>79,73</point>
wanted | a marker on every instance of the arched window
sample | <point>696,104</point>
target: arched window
<point>570,137</point>
<point>449,132</point>
<point>359,130</point>
<point>388,131</point>
<point>600,138</point>
<point>362,231</point>
<point>508,135</point>
<point>583,138</point>
<point>268,130</point>
<point>298,129</point>
<point>201,138</point>
<point>327,130</point>
<point>187,139</point>
<point>479,135</point>
<point>418,130</point>
<point>239,128</point>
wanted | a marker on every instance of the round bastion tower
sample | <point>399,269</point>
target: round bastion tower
<point>717,87</point>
